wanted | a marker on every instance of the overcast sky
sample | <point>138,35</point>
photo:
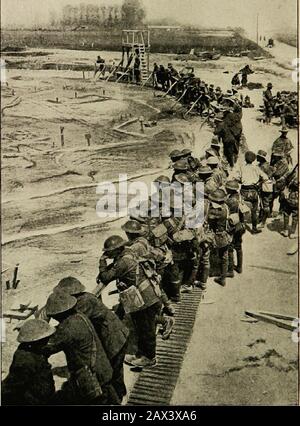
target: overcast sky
<point>273,14</point>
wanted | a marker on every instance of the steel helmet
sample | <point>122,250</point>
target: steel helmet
<point>269,85</point>
<point>132,227</point>
<point>233,185</point>
<point>262,154</point>
<point>70,285</point>
<point>175,154</point>
<point>210,152</point>
<point>180,165</point>
<point>34,330</point>
<point>112,243</point>
<point>217,196</point>
<point>59,302</point>
<point>186,152</point>
<point>212,161</point>
<point>204,170</point>
<point>162,179</point>
<point>181,178</point>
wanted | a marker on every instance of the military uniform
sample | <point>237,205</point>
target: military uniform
<point>217,220</point>
<point>125,269</point>
<point>290,204</point>
<point>250,176</point>
<point>268,103</point>
<point>280,170</point>
<point>76,337</point>
<point>111,332</point>
<point>30,380</point>
<point>266,191</point>
<point>284,145</point>
<point>237,229</point>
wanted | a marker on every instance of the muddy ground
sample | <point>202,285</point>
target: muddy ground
<point>50,227</point>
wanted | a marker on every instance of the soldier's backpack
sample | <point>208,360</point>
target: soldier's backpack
<point>144,293</point>
<point>159,235</point>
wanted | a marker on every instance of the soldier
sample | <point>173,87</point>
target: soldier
<point>215,148</point>
<point>266,190</point>
<point>205,176</point>
<point>143,300</point>
<point>268,103</point>
<point>229,130</point>
<point>88,365</point>
<point>245,72</point>
<point>289,113</point>
<point>236,80</point>
<point>138,242</point>
<point>217,219</point>
<point>219,95</point>
<point>290,204</point>
<point>236,226</point>
<point>250,176</point>
<point>175,155</point>
<point>30,380</point>
<point>283,144</point>
<point>280,170</point>
<point>185,248</point>
<point>112,333</point>
<point>217,173</point>
<point>181,166</point>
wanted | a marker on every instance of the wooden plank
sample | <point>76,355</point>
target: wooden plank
<point>279,316</point>
<point>270,320</point>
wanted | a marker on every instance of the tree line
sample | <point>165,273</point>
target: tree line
<point>130,14</point>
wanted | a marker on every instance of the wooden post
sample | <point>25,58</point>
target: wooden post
<point>7,285</point>
<point>57,100</point>
<point>83,74</point>
<point>88,138</point>
<point>141,120</point>
<point>62,138</point>
<point>15,280</point>
<point>75,95</point>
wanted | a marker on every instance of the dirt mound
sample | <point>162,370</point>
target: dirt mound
<point>165,136</point>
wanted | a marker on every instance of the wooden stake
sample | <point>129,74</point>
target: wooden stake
<point>62,138</point>
<point>15,280</point>
<point>88,138</point>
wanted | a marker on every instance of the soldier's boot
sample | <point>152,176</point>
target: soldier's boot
<point>265,215</point>
<point>175,291</point>
<point>293,234</point>
<point>168,309</point>
<point>167,328</point>
<point>285,232</point>
<point>230,272</point>
<point>239,255</point>
<point>254,223</point>
<point>224,268</point>
<point>144,362</point>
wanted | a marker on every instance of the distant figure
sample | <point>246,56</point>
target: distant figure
<point>137,67</point>
<point>245,72</point>
<point>99,66</point>
<point>236,80</point>
<point>269,103</point>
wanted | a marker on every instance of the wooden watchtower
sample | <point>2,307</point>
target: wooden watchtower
<point>138,42</point>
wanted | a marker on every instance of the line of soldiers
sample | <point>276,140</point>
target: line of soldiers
<point>223,110</point>
<point>284,105</point>
<point>160,258</point>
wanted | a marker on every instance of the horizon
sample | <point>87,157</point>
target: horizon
<point>273,15</point>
